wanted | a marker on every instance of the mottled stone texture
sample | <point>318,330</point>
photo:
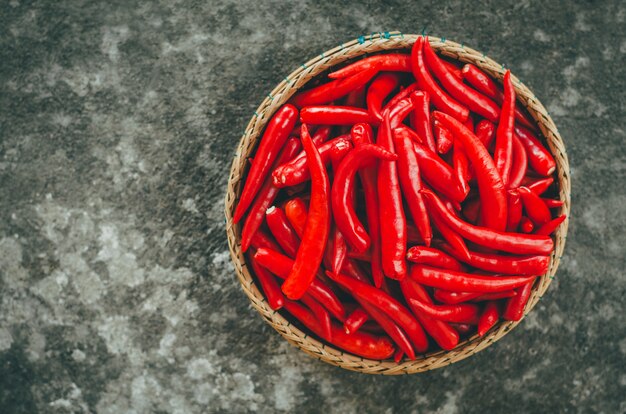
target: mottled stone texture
<point>118,121</point>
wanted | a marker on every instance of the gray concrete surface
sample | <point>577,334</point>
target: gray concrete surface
<point>118,121</point>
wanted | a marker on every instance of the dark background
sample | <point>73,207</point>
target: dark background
<point>118,122</point>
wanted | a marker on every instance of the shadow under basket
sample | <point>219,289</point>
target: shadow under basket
<point>386,42</point>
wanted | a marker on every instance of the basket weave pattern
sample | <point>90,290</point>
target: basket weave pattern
<point>296,80</point>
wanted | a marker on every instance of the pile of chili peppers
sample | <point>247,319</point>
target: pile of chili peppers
<point>400,206</point>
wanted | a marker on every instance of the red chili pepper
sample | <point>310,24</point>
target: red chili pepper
<point>399,112</point>
<point>403,94</point>
<point>389,326</point>
<point>473,100</point>
<point>526,225</point>
<point>514,211</point>
<point>539,157</point>
<point>393,232</point>
<point>450,235</point>
<point>488,318</point>
<point>392,62</point>
<point>336,248</point>
<point>495,295</point>
<point>387,304</point>
<point>330,91</point>
<point>361,135</point>
<point>262,240</point>
<point>462,328</point>
<point>452,298</point>
<point>445,336</point>
<point>356,98</point>
<point>520,164</point>
<point>453,69</point>
<point>296,171</point>
<point>534,206</point>
<point>296,212</point>
<point>435,171</point>
<point>342,204</point>
<point>503,155</point>
<point>548,228</point>
<point>514,309</point>
<point>321,135</point>
<point>378,91</point>
<point>491,189</point>
<point>323,318</point>
<point>508,242</point>
<point>282,231</point>
<point>311,249</point>
<point>358,343</point>
<point>265,197</point>
<point>433,257</point>
<point>461,313</point>
<point>550,203</point>
<point>281,265</point>
<point>334,115</point>
<point>411,183</point>
<point>273,140</point>
<point>461,165</point>
<point>483,83</point>
<point>270,286</point>
<point>440,99</point>
<point>510,265</point>
<point>486,132</point>
<point>421,119</point>
<point>355,320</point>
<point>471,210</point>
<point>539,186</point>
<point>443,137</point>
<point>465,282</point>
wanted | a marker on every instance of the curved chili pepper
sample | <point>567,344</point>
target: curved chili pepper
<point>465,282</point>
<point>539,157</point>
<point>510,265</point>
<point>526,225</point>
<point>409,175</point>
<point>483,83</point>
<point>387,304</point>
<point>534,206</point>
<point>443,137</point>
<point>440,99</point>
<point>296,212</point>
<point>361,135</point>
<point>265,197</point>
<point>334,115</point>
<point>450,235</point>
<point>467,96</point>
<point>346,219</point>
<point>296,171</point>
<point>514,309</point>
<point>520,164</point>
<point>452,298</point>
<point>271,289</point>
<point>378,91</point>
<point>491,189</point>
<point>435,171</point>
<point>503,154</point>
<point>356,98</point>
<point>391,62</point>
<point>461,165</point>
<point>453,69</point>
<point>391,328</point>
<point>355,320</point>
<point>550,203</point>
<point>358,343</point>
<point>540,186</point>
<point>421,118</point>
<point>488,318</point>
<point>508,242</point>
<point>399,112</point>
<point>313,240</point>
<point>336,248</point>
<point>273,140</point>
<point>433,257</point>
<point>393,233</point>
<point>282,231</point>
<point>461,313</point>
<point>514,211</point>
<point>445,336</point>
<point>281,265</point>
<point>486,132</point>
<point>320,314</point>
<point>403,94</point>
<point>330,91</point>
<point>548,228</point>
<point>262,240</point>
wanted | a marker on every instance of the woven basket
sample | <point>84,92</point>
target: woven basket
<point>297,79</point>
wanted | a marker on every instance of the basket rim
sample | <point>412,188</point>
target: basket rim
<point>373,44</point>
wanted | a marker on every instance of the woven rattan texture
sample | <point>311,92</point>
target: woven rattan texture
<point>297,79</point>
